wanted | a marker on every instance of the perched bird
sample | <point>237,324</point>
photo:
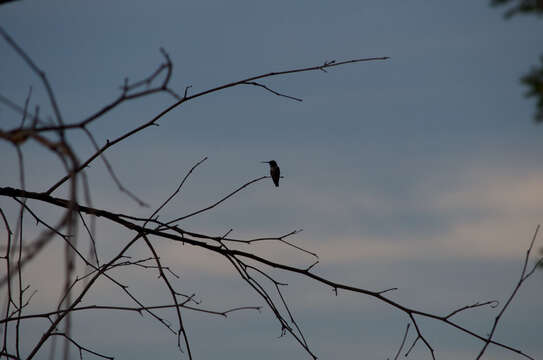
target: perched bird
<point>275,172</point>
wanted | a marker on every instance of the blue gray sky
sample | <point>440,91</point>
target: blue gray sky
<point>422,172</point>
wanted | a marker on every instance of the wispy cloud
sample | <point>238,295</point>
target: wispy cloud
<point>488,214</point>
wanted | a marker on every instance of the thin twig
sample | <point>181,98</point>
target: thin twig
<point>523,276</point>
<point>404,338</point>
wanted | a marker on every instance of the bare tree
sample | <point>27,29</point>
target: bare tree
<point>78,218</point>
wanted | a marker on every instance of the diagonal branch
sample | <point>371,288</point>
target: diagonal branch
<point>187,97</point>
<point>523,276</point>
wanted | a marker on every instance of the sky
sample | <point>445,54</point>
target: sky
<point>421,172</point>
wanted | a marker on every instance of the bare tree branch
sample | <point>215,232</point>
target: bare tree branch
<point>524,275</point>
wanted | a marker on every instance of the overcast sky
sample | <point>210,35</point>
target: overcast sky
<point>422,172</point>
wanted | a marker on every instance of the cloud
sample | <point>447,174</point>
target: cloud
<point>497,190</point>
<point>486,213</point>
<point>510,206</point>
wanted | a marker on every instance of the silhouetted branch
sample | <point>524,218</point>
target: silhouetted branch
<point>182,330</point>
<point>38,72</point>
<point>235,257</point>
<point>404,338</point>
<point>9,300</point>
<point>80,347</point>
<point>207,208</point>
<point>48,315</point>
<point>491,303</point>
<point>176,190</point>
<point>524,275</point>
<point>254,83</point>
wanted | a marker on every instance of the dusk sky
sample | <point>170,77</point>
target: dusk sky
<point>421,172</point>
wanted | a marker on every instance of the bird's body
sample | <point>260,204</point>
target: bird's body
<point>275,172</point>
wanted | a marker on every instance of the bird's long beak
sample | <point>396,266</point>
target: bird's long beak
<point>265,162</point>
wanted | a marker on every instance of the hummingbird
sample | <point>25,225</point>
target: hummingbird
<point>275,172</point>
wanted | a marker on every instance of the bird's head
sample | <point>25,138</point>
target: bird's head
<point>271,162</point>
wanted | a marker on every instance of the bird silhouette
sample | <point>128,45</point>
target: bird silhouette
<point>275,172</point>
